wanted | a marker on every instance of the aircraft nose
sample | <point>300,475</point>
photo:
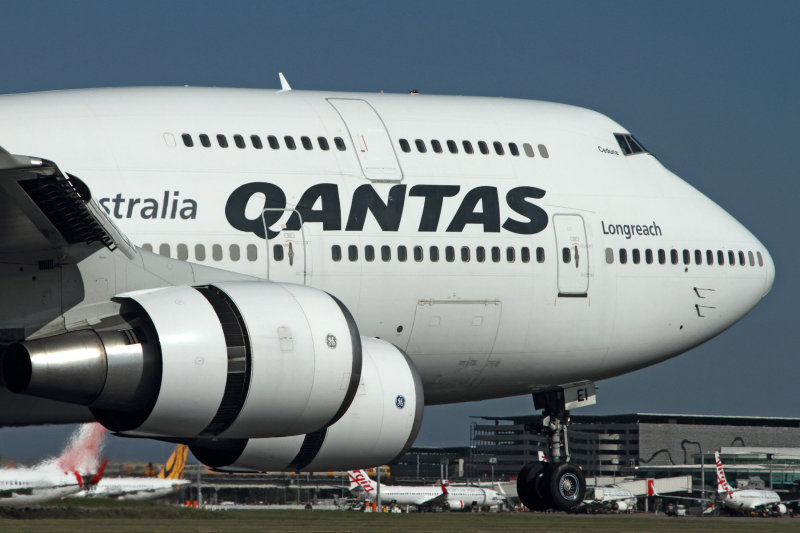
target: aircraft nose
<point>769,277</point>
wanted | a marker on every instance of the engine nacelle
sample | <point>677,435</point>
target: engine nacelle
<point>456,505</point>
<point>380,425</point>
<point>232,360</point>
<point>620,506</point>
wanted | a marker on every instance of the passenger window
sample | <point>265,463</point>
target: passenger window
<point>673,255</point>
<point>498,148</point>
<point>420,146</point>
<point>183,252</point>
<point>741,258</point>
<point>528,150</point>
<point>452,146</point>
<point>205,141</point>
<point>369,253</point>
<point>483,147</point>
<point>510,254</point>
<point>512,147</point>
<point>465,254</point>
<point>323,144</point>
<point>404,146</point>
<point>187,140</point>
<point>480,254</point>
<point>525,254</point>
<point>386,253</point>
<point>437,146</point>
<point>352,252</point>
<point>418,253</point>
<point>306,142</point>
<point>609,256</point>
<point>222,141</point>
<point>255,140</point>
<point>720,257</point>
<point>623,256</point>
<point>402,253</point>
<point>234,252</point>
<point>648,256</point>
<point>540,255</point>
<point>273,142</point>
<point>662,257</point>
<point>468,147</point>
<point>709,257</point>
<point>339,142</point>
<point>731,258</point>
<point>277,252</point>
<point>687,257</point>
<point>164,250</point>
<point>252,252</point>
<point>199,252</point>
<point>543,151</point>
<point>434,253</point>
<point>760,259</point>
<point>698,257</point>
<point>336,252</point>
<point>751,258</point>
<point>635,256</point>
<point>216,252</point>
<point>239,141</point>
<point>566,255</point>
<point>288,140</point>
<point>450,254</point>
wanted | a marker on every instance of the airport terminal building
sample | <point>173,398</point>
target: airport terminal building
<point>648,445</point>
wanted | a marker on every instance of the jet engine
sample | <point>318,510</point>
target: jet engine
<point>620,506</point>
<point>456,505</point>
<point>380,425</point>
<point>230,360</point>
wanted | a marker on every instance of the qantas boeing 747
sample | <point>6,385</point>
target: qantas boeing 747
<point>283,279</point>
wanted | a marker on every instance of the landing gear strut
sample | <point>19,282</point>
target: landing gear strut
<point>558,484</point>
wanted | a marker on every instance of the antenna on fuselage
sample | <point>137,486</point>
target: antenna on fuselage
<point>284,84</point>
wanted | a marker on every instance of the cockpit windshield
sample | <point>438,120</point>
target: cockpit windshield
<point>629,145</point>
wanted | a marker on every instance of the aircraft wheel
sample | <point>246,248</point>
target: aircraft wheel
<point>566,484</point>
<point>532,487</point>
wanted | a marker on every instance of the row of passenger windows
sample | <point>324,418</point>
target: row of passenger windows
<point>676,257</point>
<point>272,141</point>
<point>495,253</point>
<point>182,251</point>
<point>466,146</point>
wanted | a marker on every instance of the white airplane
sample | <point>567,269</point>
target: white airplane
<point>452,497</point>
<point>306,270</point>
<point>611,498</point>
<point>76,468</point>
<point>144,488</point>
<point>746,500</point>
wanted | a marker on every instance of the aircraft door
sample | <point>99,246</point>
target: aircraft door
<point>370,138</point>
<point>288,253</point>
<point>573,255</point>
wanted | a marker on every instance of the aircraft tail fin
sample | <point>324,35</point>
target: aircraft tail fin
<point>360,478</point>
<point>173,468</point>
<point>722,483</point>
<point>82,453</point>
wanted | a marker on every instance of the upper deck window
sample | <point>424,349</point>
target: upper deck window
<point>629,145</point>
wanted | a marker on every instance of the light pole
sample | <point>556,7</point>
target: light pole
<point>378,495</point>
<point>492,462</point>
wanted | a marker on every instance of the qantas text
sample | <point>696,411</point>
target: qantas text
<point>320,203</point>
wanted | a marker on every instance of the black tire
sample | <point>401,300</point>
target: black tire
<point>566,484</point>
<point>531,487</point>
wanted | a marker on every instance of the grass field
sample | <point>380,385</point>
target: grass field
<point>104,515</point>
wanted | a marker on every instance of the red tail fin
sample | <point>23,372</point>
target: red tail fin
<point>82,454</point>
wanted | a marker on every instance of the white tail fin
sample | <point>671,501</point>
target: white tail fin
<point>360,478</point>
<point>82,454</point>
<point>722,483</point>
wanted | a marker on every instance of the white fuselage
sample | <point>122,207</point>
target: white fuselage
<point>133,488</point>
<point>499,274</point>
<point>20,487</point>
<point>749,500</point>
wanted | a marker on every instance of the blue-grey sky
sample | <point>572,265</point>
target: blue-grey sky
<point>710,87</point>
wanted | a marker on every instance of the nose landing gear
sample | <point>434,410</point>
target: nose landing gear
<point>559,484</point>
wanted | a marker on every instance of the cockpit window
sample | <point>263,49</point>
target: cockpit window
<point>629,145</point>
